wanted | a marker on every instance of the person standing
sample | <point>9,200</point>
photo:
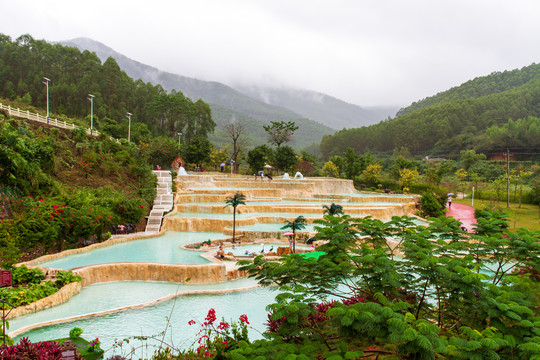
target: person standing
<point>450,202</point>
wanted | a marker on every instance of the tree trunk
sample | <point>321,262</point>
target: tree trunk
<point>234,225</point>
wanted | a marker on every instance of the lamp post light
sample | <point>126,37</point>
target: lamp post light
<point>46,82</point>
<point>129,125</point>
<point>91,98</point>
<point>179,136</point>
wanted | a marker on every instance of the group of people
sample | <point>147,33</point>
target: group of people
<point>261,174</point>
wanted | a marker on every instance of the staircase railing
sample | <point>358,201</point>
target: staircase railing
<point>16,112</point>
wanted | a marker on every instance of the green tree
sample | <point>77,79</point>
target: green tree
<point>356,301</point>
<point>235,201</point>
<point>330,169</point>
<point>258,157</point>
<point>280,132</point>
<point>333,209</point>
<point>198,151</point>
<point>372,173</point>
<point>469,157</point>
<point>297,224</point>
<point>285,158</point>
<point>217,157</point>
<point>430,206</point>
<point>408,177</point>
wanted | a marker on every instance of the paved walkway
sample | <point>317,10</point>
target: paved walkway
<point>463,213</point>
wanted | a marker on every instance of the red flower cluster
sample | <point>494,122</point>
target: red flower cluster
<point>211,317</point>
<point>223,326</point>
<point>244,318</point>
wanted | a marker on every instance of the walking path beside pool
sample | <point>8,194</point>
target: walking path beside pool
<point>463,213</point>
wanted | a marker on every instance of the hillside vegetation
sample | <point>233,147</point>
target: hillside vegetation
<point>25,62</point>
<point>60,188</point>
<point>486,114</point>
<point>223,100</point>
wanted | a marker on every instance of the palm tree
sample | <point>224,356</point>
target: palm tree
<point>297,224</point>
<point>234,201</point>
<point>333,209</point>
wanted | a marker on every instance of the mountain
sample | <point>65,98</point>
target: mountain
<point>488,114</point>
<point>217,95</point>
<point>494,83</point>
<point>322,108</point>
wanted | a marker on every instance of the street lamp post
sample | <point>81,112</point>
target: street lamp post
<point>46,82</point>
<point>91,98</point>
<point>179,136</point>
<point>129,125</point>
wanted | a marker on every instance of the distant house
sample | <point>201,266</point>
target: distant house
<point>427,158</point>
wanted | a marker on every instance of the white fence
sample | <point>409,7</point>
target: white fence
<point>43,119</point>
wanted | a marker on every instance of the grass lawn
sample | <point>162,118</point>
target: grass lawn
<point>528,216</point>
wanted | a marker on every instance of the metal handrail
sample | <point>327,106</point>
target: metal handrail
<point>43,119</point>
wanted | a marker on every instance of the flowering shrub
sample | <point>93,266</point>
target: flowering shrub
<point>28,350</point>
<point>317,316</point>
<point>94,345</point>
<point>131,210</point>
<point>215,338</point>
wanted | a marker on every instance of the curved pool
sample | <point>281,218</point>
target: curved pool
<point>150,321</point>
<point>165,249</point>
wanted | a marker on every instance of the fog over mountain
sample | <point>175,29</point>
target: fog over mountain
<point>320,107</point>
<point>260,102</point>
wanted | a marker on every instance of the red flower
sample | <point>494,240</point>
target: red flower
<point>211,317</point>
<point>244,318</point>
<point>223,326</point>
<point>142,207</point>
<point>191,322</point>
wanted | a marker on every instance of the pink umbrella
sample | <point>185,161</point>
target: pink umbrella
<point>288,234</point>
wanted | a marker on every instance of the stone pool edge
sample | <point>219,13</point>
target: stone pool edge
<point>111,311</point>
<point>214,272</point>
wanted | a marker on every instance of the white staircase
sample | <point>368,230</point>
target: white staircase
<point>163,203</point>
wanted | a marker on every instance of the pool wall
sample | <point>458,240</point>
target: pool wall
<point>59,297</point>
<point>109,242</point>
<point>194,274</point>
<point>105,312</point>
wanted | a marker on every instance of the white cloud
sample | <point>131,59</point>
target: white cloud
<point>365,52</point>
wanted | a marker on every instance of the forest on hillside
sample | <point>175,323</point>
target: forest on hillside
<point>25,62</point>
<point>487,114</point>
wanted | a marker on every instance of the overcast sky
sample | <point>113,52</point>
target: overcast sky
<point>364,52</point>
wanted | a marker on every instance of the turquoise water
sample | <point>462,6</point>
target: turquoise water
<point>153,320</point>
<point>163,249</point>
<point>118,294</point>
<point>272,227</point>
<point>241,216</point>
<point>257,248</point>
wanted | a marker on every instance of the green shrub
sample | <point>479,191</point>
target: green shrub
<point>75,333</point>
<point>65,277</point>
<point>430,206</point>
<point>24,276</point>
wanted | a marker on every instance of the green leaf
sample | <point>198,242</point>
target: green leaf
<point>334,357</point>
<point>346,321</point>
<point>410,334</point>
<point>424,343</point>
<point>336,311</point>
<point>526,323</point>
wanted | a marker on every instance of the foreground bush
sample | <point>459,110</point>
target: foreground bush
<point>26,350</point>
